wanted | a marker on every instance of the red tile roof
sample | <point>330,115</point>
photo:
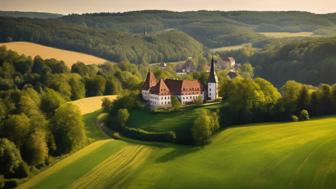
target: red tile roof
<point>150,81</point>
<point>160,88</point>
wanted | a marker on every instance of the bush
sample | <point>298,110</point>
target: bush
<point>2,181</point>
<point>304,115</point>
<point>140,134</point>
<point>22,171</point>
<point>12,183</point>
<point>294,118</point>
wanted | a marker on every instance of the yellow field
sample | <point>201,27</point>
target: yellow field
<point>91,104</point>
<point>287,34</point>
<point>69,57</point>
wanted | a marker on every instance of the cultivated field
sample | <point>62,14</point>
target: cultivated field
<point>272,155</point>
<point>287,34</point>
<point>91,104</point>
<point>69,57</point>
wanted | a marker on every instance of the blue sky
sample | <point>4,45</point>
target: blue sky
<point>85,6</point>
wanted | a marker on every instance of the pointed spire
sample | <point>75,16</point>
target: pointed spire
<point>212,74</point>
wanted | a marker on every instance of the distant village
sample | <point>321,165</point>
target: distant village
<point>159,93</point>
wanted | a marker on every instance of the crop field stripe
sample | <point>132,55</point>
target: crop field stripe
<point>63,163</point>
<point>112,172</point>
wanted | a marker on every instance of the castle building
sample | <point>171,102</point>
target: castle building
<point>160,93</point>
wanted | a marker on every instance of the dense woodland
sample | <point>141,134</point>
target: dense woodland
<point>311,61</point>
<point>113,45</point>
<point>36,123</point>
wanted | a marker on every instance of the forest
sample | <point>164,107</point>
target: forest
<point>113,45</point>
<point>311,61</point>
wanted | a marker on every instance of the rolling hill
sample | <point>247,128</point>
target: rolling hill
<point>18,14</point>
<point>69,57</point>
<point>274,155</point>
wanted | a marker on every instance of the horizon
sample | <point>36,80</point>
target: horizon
<point>117,6</point>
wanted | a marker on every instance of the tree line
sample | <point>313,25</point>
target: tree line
<point>113,45</point>
<point>36,123</point>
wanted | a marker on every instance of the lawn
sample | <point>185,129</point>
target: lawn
<point>178,121</point>
<point>268,155</point>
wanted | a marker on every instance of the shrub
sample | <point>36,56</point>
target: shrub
<point>2,181</point>
<point>304,115</point>
<point>122,118</point>
<point>294,118</point>
<point>141,134</point>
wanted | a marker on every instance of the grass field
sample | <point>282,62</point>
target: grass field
<point>287,34</point>
<point>178,121</point>
<point>230,48</point>
<point>272,155</point>
<point>69,57</point>
<point>90,108</point>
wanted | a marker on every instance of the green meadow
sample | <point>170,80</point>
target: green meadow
<point>269,155</point>
<point>178,121</point>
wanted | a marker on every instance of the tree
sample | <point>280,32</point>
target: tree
<point>106,104</point>
<point>272,95</point>
<point>304,115</point>
<point>50,101</point>
<point>68,128</point>
<point>176,104</point>
<point>35,150</point>
<point>77,87</point>
<point>16,128</point>
<point>247,70</point>
<point>324,99</point>
<point>201,130</point>
<point>303,100</point>
<point>122,117</point>
<point>10,159</point>
<point>95,86</point>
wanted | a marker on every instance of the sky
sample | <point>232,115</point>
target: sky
<point>89,6</point>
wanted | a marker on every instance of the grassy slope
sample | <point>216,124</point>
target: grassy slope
<point>288,155</point>
<point>178,121</point>
<point>69,57</point>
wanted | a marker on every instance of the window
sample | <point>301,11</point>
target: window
<point>209,89</point>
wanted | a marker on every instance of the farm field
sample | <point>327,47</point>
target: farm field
<point>69,57</point>
<point>91,104</point>
<point>269,155</point>
<point>287,34</point>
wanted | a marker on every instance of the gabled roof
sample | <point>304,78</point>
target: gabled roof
<point>177,87</point>
<point>212,75</point>
<point>160,88</point>
<point>150,81</point>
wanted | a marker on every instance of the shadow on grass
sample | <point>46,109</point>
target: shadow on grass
<point>176,152</point>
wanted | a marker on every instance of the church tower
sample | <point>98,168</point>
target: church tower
<point>212,82</point>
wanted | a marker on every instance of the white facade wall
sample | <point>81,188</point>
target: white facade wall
<point>212,91</point>
<point>159,101</point>
<point>190,98</point>
<point>145,94</point>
